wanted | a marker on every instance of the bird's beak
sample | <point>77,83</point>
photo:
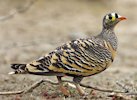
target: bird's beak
<point>122,18</point>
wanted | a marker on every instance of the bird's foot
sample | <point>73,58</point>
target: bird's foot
<point>64,91</point>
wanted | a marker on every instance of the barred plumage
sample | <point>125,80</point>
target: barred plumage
<point>78,58</point>
<point>81,57</point>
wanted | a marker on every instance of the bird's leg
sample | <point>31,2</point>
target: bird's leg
<point>77,80</point>
<point>80,90</point>
<point>61,87</point>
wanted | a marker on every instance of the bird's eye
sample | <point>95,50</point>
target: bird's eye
<point>110,17</point>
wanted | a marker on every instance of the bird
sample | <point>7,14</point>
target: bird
<point>78,58</point>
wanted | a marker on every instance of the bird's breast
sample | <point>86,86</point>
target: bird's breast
<point>111,49</point>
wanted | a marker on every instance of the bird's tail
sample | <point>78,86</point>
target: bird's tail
<point>18,69</point>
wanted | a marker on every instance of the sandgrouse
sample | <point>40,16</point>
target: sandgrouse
<point>78,58</point>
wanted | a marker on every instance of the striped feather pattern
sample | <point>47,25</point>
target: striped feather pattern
<point>81,57</point>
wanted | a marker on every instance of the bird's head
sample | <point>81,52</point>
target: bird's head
<point>111,19</point>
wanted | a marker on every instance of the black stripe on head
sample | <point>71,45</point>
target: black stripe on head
<point>116,15</point>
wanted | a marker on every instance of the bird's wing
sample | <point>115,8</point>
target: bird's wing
<point>78,57</point>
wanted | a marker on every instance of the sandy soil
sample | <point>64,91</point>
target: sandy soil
<point>48,24</point>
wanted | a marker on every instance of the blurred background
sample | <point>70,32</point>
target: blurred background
<point>32,28</point>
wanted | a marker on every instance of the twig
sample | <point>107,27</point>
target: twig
<point>98,89</point>
<point>30,88</point>
<point>123,86</point>
<point>38,83</point>
<point>17,10</point>
<point>11,92</point>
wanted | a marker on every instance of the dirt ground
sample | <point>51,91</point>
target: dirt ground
<point>50,23</point>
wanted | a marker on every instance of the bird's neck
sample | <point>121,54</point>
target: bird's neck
<point>109,36</point>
